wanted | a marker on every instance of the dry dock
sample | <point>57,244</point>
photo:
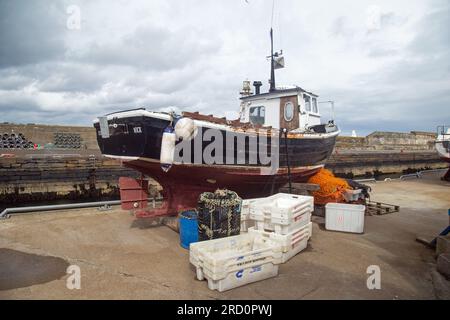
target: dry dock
<point>122,259</point>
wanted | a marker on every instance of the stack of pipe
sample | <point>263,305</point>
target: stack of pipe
<point>67,140</point>
<point>14,141</point>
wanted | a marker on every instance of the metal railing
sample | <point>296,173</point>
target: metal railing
<point>8,211</point>
<point>417,175</point>
<point>443,130</point>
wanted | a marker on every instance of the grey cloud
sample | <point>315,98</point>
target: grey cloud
<point>31,32</point>
<point>414,93</point>
<point>434,35</point>
<point>52,76</point>
<point>153,48</point>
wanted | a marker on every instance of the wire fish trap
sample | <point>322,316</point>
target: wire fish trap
<point>219,214</point>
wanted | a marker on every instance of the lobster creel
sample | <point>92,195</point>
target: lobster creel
<point>219,214</point>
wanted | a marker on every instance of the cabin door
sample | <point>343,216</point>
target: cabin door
<point>289,117</point>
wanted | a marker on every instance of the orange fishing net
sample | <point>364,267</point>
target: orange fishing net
<point>331,188</point>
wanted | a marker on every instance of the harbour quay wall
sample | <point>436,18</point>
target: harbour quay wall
<point>47,177</point>
<point>378,162</point>
<point>380,140</point>
<point>384,153</point>
<point>44,134</point>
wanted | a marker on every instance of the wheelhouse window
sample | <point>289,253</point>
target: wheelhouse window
<point>116,129</point>
<point>314,105</point>
<point>288,111</point>
<point>307,102</point>
<point>257,115</point>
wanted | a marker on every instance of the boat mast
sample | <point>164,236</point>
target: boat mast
<point>272,64</point>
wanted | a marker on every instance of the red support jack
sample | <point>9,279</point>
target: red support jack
<point>134,195</point>
<point>446,176</point>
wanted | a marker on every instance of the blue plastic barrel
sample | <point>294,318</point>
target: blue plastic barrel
<point>188,228</point>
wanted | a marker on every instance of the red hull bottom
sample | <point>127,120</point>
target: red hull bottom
<point>446,176</point>
<point>183,184</point>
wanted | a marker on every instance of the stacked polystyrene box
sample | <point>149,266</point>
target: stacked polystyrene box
<point>284,218</point>
<point>235,261</point>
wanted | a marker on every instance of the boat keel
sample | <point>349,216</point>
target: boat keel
<point>134,197</point>
<point>446,176</point>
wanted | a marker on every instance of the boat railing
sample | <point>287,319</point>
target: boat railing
<point>122,111</point>
<point>443,131</point>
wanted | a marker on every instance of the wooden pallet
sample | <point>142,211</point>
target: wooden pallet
<point>380,208</point>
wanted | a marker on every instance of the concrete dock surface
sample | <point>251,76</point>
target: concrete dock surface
<point>121,258</point>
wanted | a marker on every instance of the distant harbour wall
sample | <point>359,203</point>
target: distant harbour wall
<point>379,140</point>
<point>385,153</point>
<point>45,134</point>
<point>377,163</point>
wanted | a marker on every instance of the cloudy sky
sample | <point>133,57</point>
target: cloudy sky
<point>386,64</point>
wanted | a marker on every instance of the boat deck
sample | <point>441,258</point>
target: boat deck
<point>121,259</point>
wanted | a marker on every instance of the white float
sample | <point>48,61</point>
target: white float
<point>185,128</point>
<point>167,153</point>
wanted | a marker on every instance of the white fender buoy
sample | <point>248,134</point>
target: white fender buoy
<point>167,149</point>
<point>185,128</point>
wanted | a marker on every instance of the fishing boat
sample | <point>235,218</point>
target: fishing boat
<point>279,138</point>
<point>442,144</point>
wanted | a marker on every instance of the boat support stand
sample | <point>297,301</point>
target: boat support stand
<point>134,195</point>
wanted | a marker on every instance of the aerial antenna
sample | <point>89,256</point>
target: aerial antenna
<point>272,70</point>
<point>273,9</point>
<point>272,67</point>
<point>276,60</point>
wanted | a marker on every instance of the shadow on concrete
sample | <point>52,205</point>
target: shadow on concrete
<point>19,269</point>
<point>147,223</point>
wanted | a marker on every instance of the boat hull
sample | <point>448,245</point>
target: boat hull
<point>246,181</point>
<point>443,148</point>
<point>297,149</point>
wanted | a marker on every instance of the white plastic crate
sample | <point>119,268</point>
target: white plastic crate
<point>344,217</point>
<point>302,219</point>
<point>352,195</point>
<point>282,212</point>
<point>215,259</point>
<point>281,208</point>
<point>246,224</point>
<point>244,276</point>
<point>246,206</point>
<point>289,244</point>
<point>246,221</point>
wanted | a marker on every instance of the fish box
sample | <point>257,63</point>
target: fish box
<point>246,224</point>
<point>344,217</point>
<point>246,221</point>
<point>244,276</point>
<point>289,244</point>
<point>282,213</point>
<point>216,259</point>
<point>352,195</point>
